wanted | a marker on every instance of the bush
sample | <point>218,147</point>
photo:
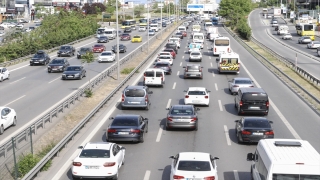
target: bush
<point>127,70</point>
<point>243,29</point>
<point>88,93</point>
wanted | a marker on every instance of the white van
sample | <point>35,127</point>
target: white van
<point>198,38</point>
<point>207,24</point>
<point>284,159</point>
<point>154,77</point>
<point>182,28</point>
<point>155,27</point>
<point>100,32</point>
<point>111,33</point>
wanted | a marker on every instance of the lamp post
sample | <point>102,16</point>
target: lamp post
<point>117,44</point>
<point>161,18</point>
<point>148,24</point>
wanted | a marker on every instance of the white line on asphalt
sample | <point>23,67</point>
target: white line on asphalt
<point>216,85</point>
<point>182,58</point>
<point>54,80</point>
<point>213,74</point>
<point>226,132</point>
<point>15,100</point>
<point>211,64</point>
<point>19,68</point>
<point>17,80</point>
<point>284,120</point>
<point>178,73</point>
<point>168,104</point>
<point>174,85</point>
<point>180,63</point>
<point>220,105</point>
<point>209,57</point>
<point>236,175</point>
<point>159,134</point>
<point>147,175</point>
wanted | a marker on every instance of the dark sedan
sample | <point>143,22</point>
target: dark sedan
<point>58,65</point>
<point>66,50</point>
<point>125,37</point>
<point>127,127</point>
<point>103,39</point>
<point>41,57</point>
<point>165,66</point>
<point>122,48</point>
<point>74,72</point>
<point>83,51</point>
<point>179,34</point>
<point>252,129</point>
<point>182,116</point>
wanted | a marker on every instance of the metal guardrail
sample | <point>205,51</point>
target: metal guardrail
<point>289,64</point>
<point>75,130</point>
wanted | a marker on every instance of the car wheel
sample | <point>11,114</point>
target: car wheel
<point>31,64</point>
<point>123,161</point>
<point>239,111</point>
<point>49,71</point>
<point>1,129</point>
<point>196,128</point>
<point>141,138</point>
<point>75,178</point>
<point>14,123</point>
<point>147,108</point>
<point>8,76</point>
<point>238,138</point>
<point>167,128</point>
<point>1,79</point>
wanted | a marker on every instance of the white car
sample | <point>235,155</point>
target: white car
<point>7,25</point>
<point>313,45</point>
<point>175,40</point>
<point>239,82</point>
<point>195,55</point>
<point>165,58</point>
<point>98,160</point>
<point>36,21</point>
<point>287,36</point>
<point>197,96</point>
<point>200,43</point>
<point>107,56</point>
<point>2,33</point>
<point>151,32</point>
<point>19,26</point>
<point>4,74</point>
<point>193,166</point>
<point>8,118</point>
<point>165,54</point>
<point>142,28</point>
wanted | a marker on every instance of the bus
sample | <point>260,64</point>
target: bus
<point>304,29</point>
<point>221,45</point>
<point>129,23</point>
<point>143,22</point>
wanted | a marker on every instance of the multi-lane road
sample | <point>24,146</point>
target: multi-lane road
<point>216,135</point>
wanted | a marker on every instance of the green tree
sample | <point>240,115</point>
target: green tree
<point>138,10</point>
<point>88,58</point>
<point>111,6</point>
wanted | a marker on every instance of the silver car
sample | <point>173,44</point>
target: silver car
<point>239,82</point>
<point>287,36</point>
<point>195,55</point>
<point>151,32</point>
<point>182,116</point>
<point>304,40</point>
<point>313,45</point>
<point>135,97</point>
<point>193,71</point>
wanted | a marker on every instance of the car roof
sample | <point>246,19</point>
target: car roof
<point>179,106</point>
<point>194,156</point>
<point>255,118</point>
<point>193,64</point>
<point>127,116</point>
<point>197,89</point>
<point>98,145</point>
<point>252,90</point>
<point>242,78</point>
<point>135,87</point>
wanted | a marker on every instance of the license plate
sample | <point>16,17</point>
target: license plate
<point>35,62</point>
<point>92,167</point>
<point>134,102</point>
<point>255,133</point>
<point>196,101</point>
<point>54,69</point>
<point>70,76</point>
<point>192,75</point>
<point>254,107</point>
<point>123,132</point>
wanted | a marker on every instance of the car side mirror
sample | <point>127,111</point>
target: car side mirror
<point>208,91</point>
<point>217,59</point>
<point>80,147</point>
<point>183,67</point>
<point>167,108</point>
<point>198,109</point>
<point>215,158</point>
<point>150,92</point>
<point>111,118</point>
<point>184,90</point>
<point>171,157</point>
<point>270,122</point>
<point>236,121</point>
<point>250,156</point>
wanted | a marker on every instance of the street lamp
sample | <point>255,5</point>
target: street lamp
<point>161,18</point>
<point>148,24</point>
<point>117,44</point>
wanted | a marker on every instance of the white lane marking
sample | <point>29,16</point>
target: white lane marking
<point>159,134</point>
<point>54,80</point>
<point>182,58</point>
<point>236,175</point>
<point>284,120</point>
<point>147,175</point>
<point>211,64</point>
<point>19,68</point>
<point>220,105</point>
<point>15,100</point>
<point>226,132</point>
<point>213,74</point>
<point>168,104</point>
<point>17,80</point>
<point>216,85</point>
<point>178,73</point>
<point>180,63</point>
<point>174,85</point>
<point>209,57</point>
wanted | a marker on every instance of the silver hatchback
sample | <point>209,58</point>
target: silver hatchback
<point>182,116</point>
<point>304,40</point>
<point>193,71</point>
<point>136,97</point>
<point>239,82</point>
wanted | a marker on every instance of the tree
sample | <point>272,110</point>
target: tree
<point>138,10</point>
<point>111,6</point>
<point>94,8</point>
<point>88,58</point>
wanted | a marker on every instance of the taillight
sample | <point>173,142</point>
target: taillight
<point>240,103</point>
<point>109,164</point>
<point>146,99</point>
<point>269,133</point>
<point>193,119</point>
<point>206,97</point>
<point>177,177</point>
<point>161,77</point>
<point>122,97</point>
<point>210,178</point>
<point>169,118</point>
<point>76,164</point>
<point>245,132</point>
<point>144,77</point>
<point>215,49</point>
<point>112,130</point>
<point>200,70</point>
<point>228,49</point>
<point>267,103</point>
<point>135,130</point>
<point>186,96</point>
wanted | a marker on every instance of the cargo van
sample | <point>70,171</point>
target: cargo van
<point>198,38</point>
<point>154,77</point>
<point>284,159</point>
<point>110,33</point>
<point>182,28</point>
<point>207,24</point>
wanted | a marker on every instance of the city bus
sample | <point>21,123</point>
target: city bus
<point>128,23</point>
<point>221,45</point>
<point>304,29</point>
<point>143,22</point>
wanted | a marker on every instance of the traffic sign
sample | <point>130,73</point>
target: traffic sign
<point>195,7</point>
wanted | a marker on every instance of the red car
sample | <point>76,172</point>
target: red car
<point>98,48</point>
<point>171,51</point>
<point>184,33</point>
<point>124,37</point>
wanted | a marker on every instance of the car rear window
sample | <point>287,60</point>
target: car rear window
<point>125,122</point>
<point>257,124</point>
<point>255,96</point>
<point>149,74</point>
<point>164,57</point>
<point>57,62</point>
<point>196,93</point>
<point>95,153</point>
<point>134,93</point>
<point>194,166</point>
<point>162,65</point>
<point>181,111</point>
<point>158,74</point>
<point>195,53</point>
<point>136,36</point>
<point>106,54</point>
<point>193,67</point>
<point>242,81</point>
<point>73,68</point>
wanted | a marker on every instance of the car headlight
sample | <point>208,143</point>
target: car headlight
<point>49,66</point>
<point>77,74</point>
<point>63,75</point>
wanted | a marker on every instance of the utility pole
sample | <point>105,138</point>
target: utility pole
<point>148,24</point>
<point>118,63</point>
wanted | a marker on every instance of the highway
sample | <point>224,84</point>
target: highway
<point>31,90</point>
<point>260,25</point>
<point>149,160</point>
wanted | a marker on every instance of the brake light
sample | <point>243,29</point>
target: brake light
<point>193,119</point>
<point>186,96</point>
<point>161,77</point>
<point>267,103</point>
<point>76,164</point>
<point>135,130</point>
<point>109,164</point>
<point>215,49</point>
<point>122,98</point>
<point>144,77</point>
<point>269,133</point>
<point>206,97</point>
<point>112,130</point>
<point>146,99</point>
<point>210,178</point>
<point>177,177</point>
<point>169,118</point>
<point>228,49</point>
<point>245,132</point>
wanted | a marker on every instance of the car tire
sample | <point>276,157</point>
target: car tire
<point>168,128</point>
<point>147,108</point>
<point>49,71</point>
<point>75,178</point>
<point>141,138</point>
<point>8,77</point>
<point>123,161</point>
<point>14,123</point>
<point>238,138</point>
<point>31,64</point>
<point>196,128</point>
<point>1,79</point>
<point>1,129</point>
<point>239,111</point>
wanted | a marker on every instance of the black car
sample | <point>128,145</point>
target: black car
<point>74,72</point>
<point>179,34</point>
<point>103,39</point>
<point>122,48</point>
<point>253,129</point>
<point>66,50</point>
<point>41,57</point>
<point>127,127</point>
<point>83,51</point>
<point>165,66</point>
<point>127,30</point>
<point>58,65</point>
<point>172,46</point>
<point>164,24</point>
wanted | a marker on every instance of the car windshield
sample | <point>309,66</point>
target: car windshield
<point>103,37</point>
<point>175,111</point>
<point>84,49</point>
<point>150,30</point>
<point>70,68</point>
<point>125,35</point>
<point>196,93</point>
<point>106,54</point>
<point>124,122</point>
<point>162,65</point>
<point>57,62</point>
<point>195,54</point>
<point>256,124</point>
<point>98,45</point>
<point>194,166</point>
<point>38,56</point>
<point>136,36</point>
<point>134,93</point>
<point>164,57</point>
<point>255,96</point>
<point>65,48</point>
<point>193,67</point>
<point>94,153</point>
<point>242,81</point>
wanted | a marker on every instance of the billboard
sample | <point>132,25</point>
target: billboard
<point>195,7</point>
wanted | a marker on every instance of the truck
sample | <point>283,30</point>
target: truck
<point>228,62</point>
<point>276,12</point>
